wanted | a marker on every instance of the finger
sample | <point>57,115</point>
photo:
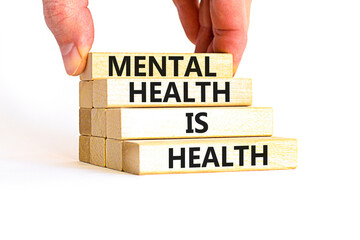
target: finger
<point>189,16</point>
<point>210,49</point>
<point>72,25</point>
<point>248,7</point>
<point>205,34</point>
<point>230,25</point>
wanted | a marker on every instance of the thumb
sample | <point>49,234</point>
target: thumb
<point>72,25</point>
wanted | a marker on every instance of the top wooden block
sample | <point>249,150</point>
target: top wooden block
<point>157,65</point>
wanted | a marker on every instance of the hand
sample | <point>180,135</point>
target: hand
<point>71,23</point>
<point>216,25</point>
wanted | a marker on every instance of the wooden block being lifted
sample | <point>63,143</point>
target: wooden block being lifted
<point>86,94</point>
<point>209,155</point>
<point>97,151</point>
<point>157,65</point>
<point>153,123</point>
<point>84,149</point>
<point>109,93</point>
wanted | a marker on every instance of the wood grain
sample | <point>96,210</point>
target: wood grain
<point>84,149</point>
<point>152,156</point>
<point>98,122</point>
<point>114,154</point>
<point>97,151</point>
<point>85,121</point>
<point>154,123</point>
<point>110,93</point>
<point>97,66</point>
<point>86,94</point>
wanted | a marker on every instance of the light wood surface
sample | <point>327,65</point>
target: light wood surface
<point>98,122</point>
<point>209,155</point>
<point>86,94</point>
<point>97,151</point>
<point>114,154</point>
<point>109,93</point>
<point>153,123</point>
<point>85,121</point>
<point>84,149</point>
<point>140,64</point>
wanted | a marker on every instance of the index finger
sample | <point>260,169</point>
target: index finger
<point>189,16</point>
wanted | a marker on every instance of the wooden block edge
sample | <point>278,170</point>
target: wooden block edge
<point>87,74</point>
<point>113,159</point>
<point>135,144</point>
<point>97,151</point>
<point>84,149</point>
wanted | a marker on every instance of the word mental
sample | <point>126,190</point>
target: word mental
<point>141,63</point>
<point>147,65</point>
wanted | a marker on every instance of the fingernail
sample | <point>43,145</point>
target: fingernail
<point>235,69</point>
<point>71,57</point>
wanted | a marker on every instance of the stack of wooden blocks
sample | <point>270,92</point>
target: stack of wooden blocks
<point>148,113</point>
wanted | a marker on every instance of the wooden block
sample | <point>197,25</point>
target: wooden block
<point>86,94</point>
<point>109,93</point>
<point>92,122</point>
<point>153,123</point>
<point>84,149</point>
<point>209,155</point>
<point>114,154</point>
<point>85,121</point>
<point>98,122</point>
<point>157,65</point>
<point>97,151</point>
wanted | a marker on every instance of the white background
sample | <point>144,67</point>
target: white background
<point>303,57</point>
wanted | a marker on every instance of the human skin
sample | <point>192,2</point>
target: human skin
<point>214,26</point>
